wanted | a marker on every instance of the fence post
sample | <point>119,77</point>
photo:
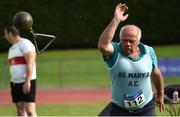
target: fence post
<point>4,75</point>
<point>61,73</point>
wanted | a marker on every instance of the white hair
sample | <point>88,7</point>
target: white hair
<point>139,31</point>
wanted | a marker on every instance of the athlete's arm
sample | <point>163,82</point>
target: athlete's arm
<point>159,84</point>
<point>104,44</point>
<point>30,58</point>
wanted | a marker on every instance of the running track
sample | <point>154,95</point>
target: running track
<point>64,96</point>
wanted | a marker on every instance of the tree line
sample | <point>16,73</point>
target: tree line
<point>79,23</point>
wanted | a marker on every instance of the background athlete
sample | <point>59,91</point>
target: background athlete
<point>131,65</point>
<point>22,56</point>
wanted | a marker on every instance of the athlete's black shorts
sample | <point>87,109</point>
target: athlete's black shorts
<point>18,95</point>
<point>147,110</point>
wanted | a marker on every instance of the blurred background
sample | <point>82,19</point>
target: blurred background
<point>72,60</point>
<point>78,23</point>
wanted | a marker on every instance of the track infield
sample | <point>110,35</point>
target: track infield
<point>64,96</point>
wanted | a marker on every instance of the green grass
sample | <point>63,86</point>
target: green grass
<point>77,68</point>
<point>67,110</point>
<point>71,68</point>
<point>58,110</point>
<point>73,73</point>
<point>167,51</point>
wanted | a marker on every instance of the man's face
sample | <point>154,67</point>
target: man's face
<point>8,36</point>
<point>129,40</point>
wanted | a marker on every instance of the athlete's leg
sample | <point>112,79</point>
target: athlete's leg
<point>20,109</point>
<point>30,108</point>
<point>29,100</point>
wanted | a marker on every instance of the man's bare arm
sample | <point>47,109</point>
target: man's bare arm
<point>107,35</point>
<point>159,84</point>
<point>30,58</point>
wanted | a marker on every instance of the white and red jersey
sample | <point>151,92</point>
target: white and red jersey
<point>17,60</point>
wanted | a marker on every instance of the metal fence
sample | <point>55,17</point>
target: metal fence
<point>81,72</point>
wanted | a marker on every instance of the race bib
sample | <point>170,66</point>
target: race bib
<point>134,100</point>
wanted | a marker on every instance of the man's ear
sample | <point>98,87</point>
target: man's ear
<point>10,33</point>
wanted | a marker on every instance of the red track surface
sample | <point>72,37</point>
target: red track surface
<point>64,96</point>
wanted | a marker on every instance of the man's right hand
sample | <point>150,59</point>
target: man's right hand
<point>26,87</point>
<point>119,13</point>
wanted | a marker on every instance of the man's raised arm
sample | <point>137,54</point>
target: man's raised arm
<point>107,35</point>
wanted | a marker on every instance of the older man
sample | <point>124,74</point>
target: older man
<point>21,58</point>
<point>131,65</point>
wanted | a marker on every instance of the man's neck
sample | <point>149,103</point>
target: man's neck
<point>17,38</point>
<point>134,53</point>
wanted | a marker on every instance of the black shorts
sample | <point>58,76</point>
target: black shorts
<point>18,95</point>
